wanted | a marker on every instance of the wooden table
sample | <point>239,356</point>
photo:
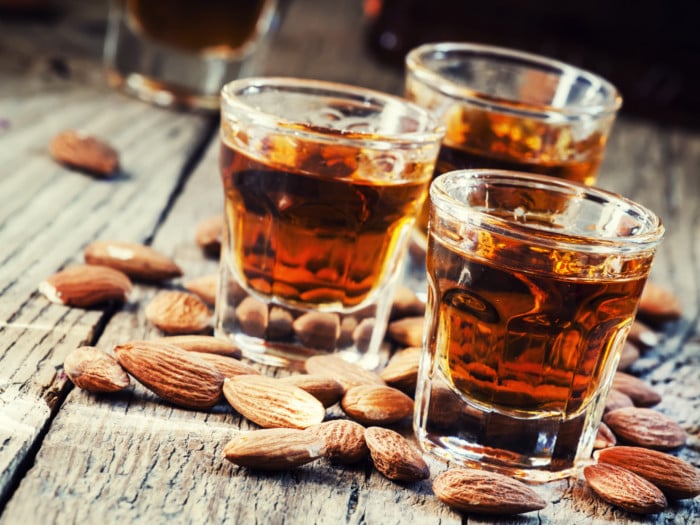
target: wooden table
<point>70,457</point>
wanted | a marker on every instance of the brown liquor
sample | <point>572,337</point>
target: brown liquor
<point>322,237</point>
<point>479,139</point>
<point>209,26</point>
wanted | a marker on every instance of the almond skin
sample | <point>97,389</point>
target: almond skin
<point>483,492</point>
<point>604,438</point>
<point>394,456</point>
<point>376,404</point>
<point>208,235</point>
<point>204,287</point>
<point>676,478</point>
<point>176,375</point>
<point>625,489</point>
<point>641,394</point>
<point>318,330</point>
<point>85,285</point>
<point>271,403</point>
<point>205,344</point>
<point>176,312</point>
<point>135,260</point>
<point>616,399</point>
<point>228,366</point>
<point>407,331</point>
<point>347,374</point>
<point>345,440</point>
<point>84,152</point>
<point>402,370</point>
<point>95,371</point>
<point>274,449</point>
<point>645,427</point>
<point>324,388</point>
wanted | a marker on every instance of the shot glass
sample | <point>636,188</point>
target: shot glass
<point>322,184</point>
<point>506,109</point>
<point>533,283</point>
<point>180,53</point>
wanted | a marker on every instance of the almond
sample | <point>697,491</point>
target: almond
<point>402,370</point>
<point>346,373</point>
<point>641,394</point>
<point>641,334</point>
<point>176,375</point>
<point>345,440</point>
<point>407,331</point>
<point>406,304</point>
<point>176,312</point>
<point>658,304</point>
<point>204,287</point>
<point>483,492</point>
<point>604,438</point>
<point>94,370</point>
<point>616,399</point>
<point>324,388</point>
<point>318,330</point>
<point>274,448</point>
<point>279,323</point>
<point>205,344</point>
<point>228,366</point>
<point>84,152</point>
<point>394,456</point>
<point>645,427</point>
<point>625,489</point>
<point>376,404</point>
<point>676,478</point>
<point>135,260</point>
<point>86,285</point>
<point>208,234</point>
<point>628,355</point>
<point>272,403</point>
<point>252,315</point>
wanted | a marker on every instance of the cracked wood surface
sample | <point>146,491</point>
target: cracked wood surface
<point>67,456</point>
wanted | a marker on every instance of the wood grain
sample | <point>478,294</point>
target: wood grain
<point>67,456</point>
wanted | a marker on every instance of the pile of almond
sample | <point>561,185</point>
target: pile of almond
<point>191,369</point>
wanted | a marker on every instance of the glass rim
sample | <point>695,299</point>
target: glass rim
<point>575,242</point>
<point>232,101</point>
<point>416,65</point>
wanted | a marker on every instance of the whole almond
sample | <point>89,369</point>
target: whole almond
<point>394,456</point>
<point>641,334</point>
<point>84,152</point>
<point>483,492</point>
<point>271,403</point>
<point>274,449</point>
<point>658,304</point>
<point>604,437</point>
<point>135,260</point>
<point>346,373</point>
<point>406,304</point>
<point>85,285</point>
<point>324,388</point>
<point>616,399</point>
<point>407,331</point>
<point>205,344</point>
<point>345,440</point>
<point>641,394</point>
<point>624,489</point>
<point>676,478</point>
<point>208,234</point>
<point>628,356</point>
<point>376,404</point>
<point>176,375</point>
<point>318,330</point>
<point>204,287</point>
<point>252,315</point>
<point>402,370</point>
<point>228,366</point>
<point>645,427</point>
<point>94,370</point>
<point>176,312</point>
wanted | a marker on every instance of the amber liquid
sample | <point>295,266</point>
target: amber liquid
<point>523,352</point>
<point>197,26</point>
<point>317,240</point>
<point>477,139</point>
